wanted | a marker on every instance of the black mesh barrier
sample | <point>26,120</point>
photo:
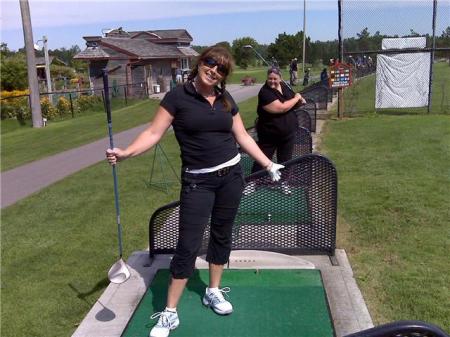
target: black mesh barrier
<point>304,119</point>
<point>402,329</point>
<point>302,146</point>
<point>294,216</point>
<point>311,107</point>
<point>318,93</point>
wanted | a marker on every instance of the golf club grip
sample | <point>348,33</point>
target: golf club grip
<point>298,104</point>
<point>106,92</point>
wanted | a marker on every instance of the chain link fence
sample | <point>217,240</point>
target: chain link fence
<point>399,51</point>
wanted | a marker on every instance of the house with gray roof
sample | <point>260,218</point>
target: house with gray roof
<point>143,61</point>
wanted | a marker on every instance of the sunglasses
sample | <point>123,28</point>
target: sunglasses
<point>211,63</point>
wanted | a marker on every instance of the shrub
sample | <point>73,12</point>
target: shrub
<point>47,109</point>
<point>13,106</point>
<point>63,106</point>
<point>85,102</point>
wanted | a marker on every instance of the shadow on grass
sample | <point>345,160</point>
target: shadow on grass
<point>104,315</point>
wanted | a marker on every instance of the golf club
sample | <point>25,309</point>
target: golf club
<point>249,46</point>
<point>119,271</point>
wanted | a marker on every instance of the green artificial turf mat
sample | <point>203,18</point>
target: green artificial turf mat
<point>283,209</point>
<point>267,303</point>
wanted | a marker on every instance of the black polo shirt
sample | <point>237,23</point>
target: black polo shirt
<point>277,124</point>
<point>202,131</point>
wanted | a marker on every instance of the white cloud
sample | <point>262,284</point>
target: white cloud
<point>69,13</point>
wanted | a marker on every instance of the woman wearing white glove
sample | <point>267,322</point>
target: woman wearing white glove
<point>277,123</point>
<point>207,125</point>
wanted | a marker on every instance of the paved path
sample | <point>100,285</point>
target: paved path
<point>27,179</point>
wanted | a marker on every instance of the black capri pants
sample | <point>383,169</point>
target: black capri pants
<point>269,143</point>
<point>205,196</point>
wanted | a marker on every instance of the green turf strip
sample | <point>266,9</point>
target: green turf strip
<point>256,207</point>
<point>271,303</point>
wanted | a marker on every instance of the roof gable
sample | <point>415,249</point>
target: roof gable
<point>172,43</point>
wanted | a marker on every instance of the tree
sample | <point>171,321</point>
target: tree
<point>286,47</point>
<point>64,54</point>
<point>446,33</point>
<point>14,72</point>
<point>226,45</point>
<point>364,39</point>
<point>243,56</point>
<point>4,50</point>
<point>413,33</point>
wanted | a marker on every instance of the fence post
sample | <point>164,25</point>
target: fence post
<point>433,47</point>
<point>71,103</point>
<point>125,91</point>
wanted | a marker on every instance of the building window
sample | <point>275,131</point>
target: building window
<point>185,63</point>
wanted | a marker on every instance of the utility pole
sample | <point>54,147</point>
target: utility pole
<point>31,65</point>
<point>47,69</point>
<point>304,35</point>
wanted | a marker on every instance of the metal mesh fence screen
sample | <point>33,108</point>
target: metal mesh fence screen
<point>366,24</point>
<point>299,220</point>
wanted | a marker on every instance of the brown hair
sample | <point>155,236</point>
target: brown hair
<point>223,56</point>
<point>274,70</point>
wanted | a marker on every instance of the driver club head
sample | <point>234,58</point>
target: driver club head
<point>119,272</point>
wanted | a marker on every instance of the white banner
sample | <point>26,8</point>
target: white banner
<point>402,79</point>
<point>404,42</point>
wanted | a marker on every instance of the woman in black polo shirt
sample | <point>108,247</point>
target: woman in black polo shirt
<point>207,126</point>
<point>277,122</point>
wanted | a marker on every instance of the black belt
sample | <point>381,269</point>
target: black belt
<point>222,172</point>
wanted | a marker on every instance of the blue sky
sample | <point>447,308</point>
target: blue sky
<point>65,22</point>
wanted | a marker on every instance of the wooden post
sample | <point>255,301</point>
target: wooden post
<point>71,103</point>
<point>341,103</point>
<point>33,85</point>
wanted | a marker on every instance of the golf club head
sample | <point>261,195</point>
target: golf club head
<point>119,272</point>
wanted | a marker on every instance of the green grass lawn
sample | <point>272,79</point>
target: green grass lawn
<point>21,146</point>
<point>394,192</point>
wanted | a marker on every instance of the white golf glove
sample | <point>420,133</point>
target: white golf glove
<point>274,171</point>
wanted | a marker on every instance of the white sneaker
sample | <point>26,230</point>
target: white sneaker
<point>167,321</point>
<point>249,188</point>
<point>285,188</point>
<point>217,302</point>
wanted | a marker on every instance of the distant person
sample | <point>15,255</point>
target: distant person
<point>324,77</point>
<point>277,122</point>
<point>274,62</point>
<point>178,76</point>
<point>306,77</point>
<point>207,126</point>
<point>293,70</point>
